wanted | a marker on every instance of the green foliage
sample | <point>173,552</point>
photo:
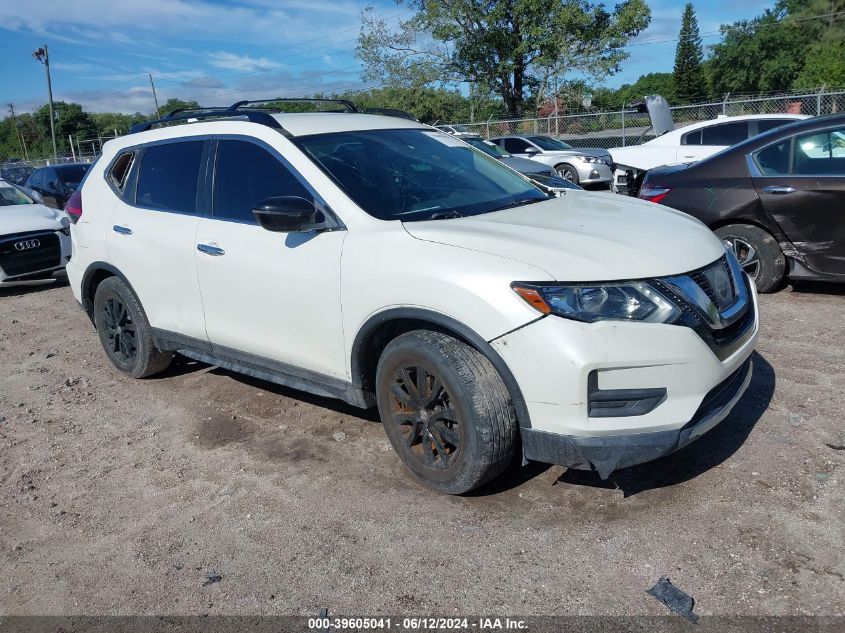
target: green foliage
<point>688,78</point>
<point>662,84</point>
<point>510,48</point>
<point>70,119</point>
<point>177,104</point>
<point>784,48</point>
<point>108,122</point>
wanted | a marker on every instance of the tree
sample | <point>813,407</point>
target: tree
<point>506,47</point>
<point>688,79</point>
<point>70,120</point>
<point>177,104</point>
<point>797,44</point>
<point>662,84</point>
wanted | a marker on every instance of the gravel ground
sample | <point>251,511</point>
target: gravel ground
<point>118,496</point>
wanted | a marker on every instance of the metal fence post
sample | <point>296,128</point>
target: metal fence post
<point>623,124</point>
<point>819,100</point>
<point>725,104</point>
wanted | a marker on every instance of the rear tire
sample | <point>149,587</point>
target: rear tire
<point>568,172</point>
<point>125,332</point>
<point>758,253</point>
<point>445,410</point>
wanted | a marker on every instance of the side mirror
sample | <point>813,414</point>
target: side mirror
<point>532,150</point>
<point>53,185</point>
<point>286,214</point>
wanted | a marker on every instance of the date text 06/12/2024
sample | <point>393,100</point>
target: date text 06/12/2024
<point>415,623</point>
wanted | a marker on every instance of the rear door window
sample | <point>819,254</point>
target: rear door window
<point>764,125</point>
<point>516,145</point>
<point>820,154</point>
<point>168,176</point>
<point>725,133</point>
<point>246,174</point>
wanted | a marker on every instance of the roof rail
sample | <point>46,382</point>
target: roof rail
<point>188,115</point>
<point>350,107</point>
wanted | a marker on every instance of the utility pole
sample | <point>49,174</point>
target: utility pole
<point>155,98</point>
<point>43,55</point>
<point>21,139</point>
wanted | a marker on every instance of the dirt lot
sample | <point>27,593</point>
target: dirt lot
<point>118,495</point>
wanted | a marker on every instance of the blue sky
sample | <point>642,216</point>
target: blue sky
<point>220,51</point>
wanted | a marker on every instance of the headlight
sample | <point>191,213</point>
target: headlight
<point>590,159</point>
<point>623,301</point>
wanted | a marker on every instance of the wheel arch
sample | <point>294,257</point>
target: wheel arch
<point>381,328</point>
<point>94,275</point>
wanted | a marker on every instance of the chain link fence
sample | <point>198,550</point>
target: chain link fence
<point>17,168</point>
<point>629,127</point>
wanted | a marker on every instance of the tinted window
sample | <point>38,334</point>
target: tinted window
<point>764,125</point>
<point>822,153</point>
<point>72,175</point>
<point>774,159</point>
<point>516,145</point>
<point>691,138</point>
<point>549,143</point>
<point>246,174</point>
<point>37,178</point>
<point>725,134</point>
<point>167,178</point>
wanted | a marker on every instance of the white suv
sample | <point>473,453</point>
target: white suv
<point>380,261</point>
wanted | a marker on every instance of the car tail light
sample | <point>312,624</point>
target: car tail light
<point>653,193</point>
<point>74,206</point>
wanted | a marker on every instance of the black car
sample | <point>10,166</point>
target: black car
<point>57,182</point>
<point>778,199</point>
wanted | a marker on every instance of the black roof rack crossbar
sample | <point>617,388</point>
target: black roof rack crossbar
<point>185,110</point>
<point>255,116</point>
<point>346,103</point>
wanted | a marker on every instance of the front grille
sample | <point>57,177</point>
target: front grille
<point>16,261</point>
<point>707,280</point>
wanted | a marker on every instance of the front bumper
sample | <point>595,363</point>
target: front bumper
<point>561,365</point>
<point>593,173</point>
<point>44,262</point>
<point>612,452</point>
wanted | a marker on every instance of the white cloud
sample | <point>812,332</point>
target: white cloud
<point>242,63</point>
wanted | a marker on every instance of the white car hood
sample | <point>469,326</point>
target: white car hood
<point>584,236</point>
<point>20,218</point>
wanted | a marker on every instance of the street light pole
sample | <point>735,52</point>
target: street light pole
<point>43,55</point>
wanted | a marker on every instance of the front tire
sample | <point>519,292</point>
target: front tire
<point>125,332</point>
<point>568,172</point>
<point>445,410</point>
<point>758,253</point>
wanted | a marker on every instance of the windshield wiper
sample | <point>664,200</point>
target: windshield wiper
<point>520,202</point>
<point>445,215</point>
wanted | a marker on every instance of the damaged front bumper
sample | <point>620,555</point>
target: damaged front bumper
<point>608,453</point>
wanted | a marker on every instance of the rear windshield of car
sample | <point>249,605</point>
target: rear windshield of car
<point>72,175</point>
<point>416,174</point>
<point>548,143</point>
<point>11,196</point>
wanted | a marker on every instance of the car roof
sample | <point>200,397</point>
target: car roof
<point>293,125</point>
<point>305,123</point>
<point>740,117</point>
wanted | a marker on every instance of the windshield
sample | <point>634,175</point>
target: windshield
<point>10,196</point>
<point>72,175</point>
<point>487,148</point>
<point>416,174</point>
<point>548,143</point>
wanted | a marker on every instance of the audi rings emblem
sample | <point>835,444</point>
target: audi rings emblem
<point>27,245</point>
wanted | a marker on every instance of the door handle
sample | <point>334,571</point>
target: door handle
<point>778,189</point>
<point>123,230</point>
<point>208,249</point>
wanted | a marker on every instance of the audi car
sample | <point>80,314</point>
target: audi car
<point>34,239</point>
